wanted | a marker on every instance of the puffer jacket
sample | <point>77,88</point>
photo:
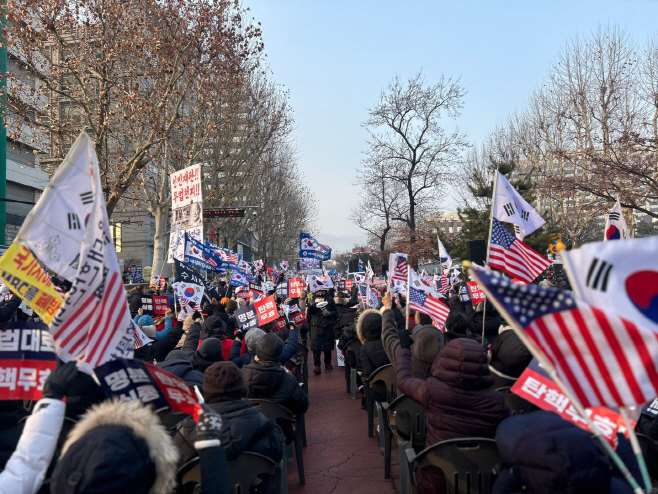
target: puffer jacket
<point>322,328</point>
<point>244,428</point>
<point>183,369</point>
<point>372,354</point>
<point>26,469</point>
<point>428,342</point>
<point>457,397</point>
<point>509,356</point>
<point>270,381</point>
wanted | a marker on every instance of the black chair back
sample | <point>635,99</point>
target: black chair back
<point>353,346</point>
<point>242,471</point>
<point>385,374</point>
<point>410,420</point>
<point>470,465</point>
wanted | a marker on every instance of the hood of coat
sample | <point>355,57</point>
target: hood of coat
<point>509,355</point>
<point>145,425</point>
<point>341,301</point>
<point>213,325</point>
<point>428,342</point>
<point>365,330</point>
<point>149,331</point>
<point>463,363</point>
<point>187,323</point>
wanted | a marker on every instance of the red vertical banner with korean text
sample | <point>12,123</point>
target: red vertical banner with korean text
<point>266,310</point>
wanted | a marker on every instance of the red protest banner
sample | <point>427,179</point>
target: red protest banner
<point>295,287</point>
<point>541,391</point>
<point>477,295</point>
<point>348,285</point>
<point>296,315</point>
<point>27,356</point>
<point>160,304</point>
<point>280,324</point>
<point>266,310</point>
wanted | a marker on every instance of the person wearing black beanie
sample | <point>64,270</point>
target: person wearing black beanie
<point>209,352</point>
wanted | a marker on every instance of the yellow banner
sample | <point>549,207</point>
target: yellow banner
<point>21,272</point>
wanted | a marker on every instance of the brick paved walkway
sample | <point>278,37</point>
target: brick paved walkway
<point>340,457</point>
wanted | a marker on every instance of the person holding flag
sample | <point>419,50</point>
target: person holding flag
<point>321,314</point>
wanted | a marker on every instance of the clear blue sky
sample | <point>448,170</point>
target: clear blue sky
<point>336,56</point>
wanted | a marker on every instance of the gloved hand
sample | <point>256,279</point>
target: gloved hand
<point>208,428</point>
<point>239,335</point>
<point>405,339</point>
<point>182,315</point>
<point>325,312</point>
<point>59,380</point>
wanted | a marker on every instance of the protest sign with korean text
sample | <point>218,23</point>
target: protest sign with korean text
<point>538,388</point>
<point>130,380</point>
<point>27,356</point>
<point>295,287</point>
<point>282,290</point>
<point>477,295</point>
<point>21,272</point>
<point>266,310</point>
<point>160,304</point>
<point>246,317</point>
<point>296,315</point>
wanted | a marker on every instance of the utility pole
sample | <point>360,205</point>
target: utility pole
<point>3,123</point>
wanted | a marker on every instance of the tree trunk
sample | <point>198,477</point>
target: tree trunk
<point>160,268</point>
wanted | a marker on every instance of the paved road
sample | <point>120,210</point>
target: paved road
<point>340,458</point>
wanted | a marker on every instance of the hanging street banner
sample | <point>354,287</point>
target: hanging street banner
<point>27,356</point>
<point>20,271</point>
<point>310,248</point>
<point>186,205</point>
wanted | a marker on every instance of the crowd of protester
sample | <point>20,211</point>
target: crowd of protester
<point>76,441</point>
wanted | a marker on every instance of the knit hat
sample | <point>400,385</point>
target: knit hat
<point>222,379</point>
<point>231,305</point>
<point>145,321</point>
<point>176,355</point>
<point>252,337</point>
<point>208,353</point>
<point>269,347</point>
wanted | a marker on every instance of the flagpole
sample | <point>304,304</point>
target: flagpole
<point>550,369</point>
<point>491,215</point>
<point>636,449</point>
<point>175,311</point>
<point>406,319</point>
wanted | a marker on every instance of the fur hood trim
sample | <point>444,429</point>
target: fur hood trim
<point>341,301</point>
<point>146,425</point>
<point>359,325</point>
<point>187,323</point>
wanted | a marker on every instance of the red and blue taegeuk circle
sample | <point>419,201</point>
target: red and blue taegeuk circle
<point>642,290</point>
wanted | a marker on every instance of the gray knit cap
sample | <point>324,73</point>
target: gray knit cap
<point>252,337</point>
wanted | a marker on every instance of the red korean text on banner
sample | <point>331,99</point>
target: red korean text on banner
<point>280,324</point>
<point>477,295</point>
<point>160,304</point>
<point>266,310</point>
<point>27,356</point>
<point>537,388</point>
<point>130,380</point>
<point>295,287</point>
<point>296,315</point>
<point>348,285</point>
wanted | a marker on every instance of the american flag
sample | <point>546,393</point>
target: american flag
<point>509,254</point>
<point>210,260</point>
<point>434,308</point>
<point>400,268</point>
<point>604,359</point>
<point>442,284</point>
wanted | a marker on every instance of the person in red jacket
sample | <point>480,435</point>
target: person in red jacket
<point>457,397</point>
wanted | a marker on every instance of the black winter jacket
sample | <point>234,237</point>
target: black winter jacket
<point>159,349</point>
<point>322,328</point>
<point>9,309</point>
<point>244,428</point>
<point>270,381</point>
<point>509,355</point>
<point>213,325</point>
<point>183,369</point>
<point>373,356</point>
<point>192,339</point>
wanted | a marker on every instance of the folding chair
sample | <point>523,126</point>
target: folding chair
<point>409,428</point>
<point>385,374</point>
<point>353,346</point>
<point>470,465</point>
<point>243,471</point>
<point>273,410</point>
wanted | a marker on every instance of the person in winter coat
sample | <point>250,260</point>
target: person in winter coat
<point>345,315</point>
<point>349,334</point>
<point>322,321</point>
<point>192,327</point>
<point>372,355</point>
<point>457,397</point>
<point>219,310</point>
<point>158,350</point>
<point>8,310</point>
<point>457,326</point>
<point>136,300</point>
<point>265,378</point>
<point>179,365</point>
<point>12,413</point>
<point>26,469</point>
<point>145,322</point>
<point>509,358</point>
<point>544,454</point>
<point>214,327</point>
<point>209,352</point>
<point>250,340</point>
<point>492,321</point>
<point>122,447</point>
<point>244,428</point>
<point>427,342</point>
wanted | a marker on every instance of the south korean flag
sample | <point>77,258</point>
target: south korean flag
<point>615,225</point>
